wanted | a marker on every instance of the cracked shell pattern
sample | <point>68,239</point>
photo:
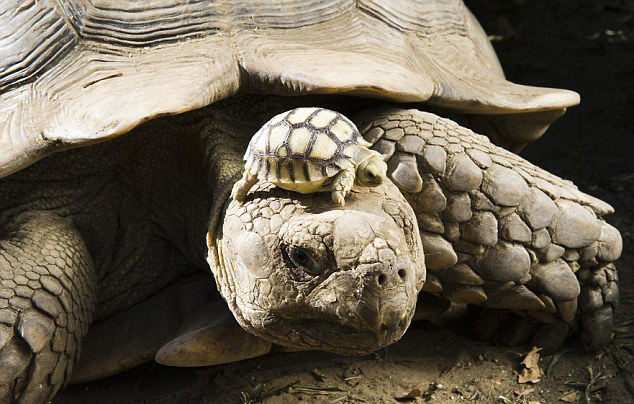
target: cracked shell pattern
<point>303,145</point>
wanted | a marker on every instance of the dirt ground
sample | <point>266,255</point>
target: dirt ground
<point>583,45</point>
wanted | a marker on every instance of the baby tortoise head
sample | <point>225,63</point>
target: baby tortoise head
<point>372,171</point>
<point>299,271</point>
<point>310,150</point>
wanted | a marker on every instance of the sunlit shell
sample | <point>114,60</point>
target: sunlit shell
<point>304,145</point>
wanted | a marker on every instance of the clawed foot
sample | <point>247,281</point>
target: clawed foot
<point>339,198</point>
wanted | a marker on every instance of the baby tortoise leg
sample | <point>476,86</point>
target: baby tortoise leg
<point>498,231</point>
<point>342,184</point>
<point>47,298</point>
<point>242,187</point>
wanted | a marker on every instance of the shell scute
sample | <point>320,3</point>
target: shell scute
<point>304,147</point>
<point>344,131</point>
<point>298,116</point>
<point>323,148</point>
<point>277,139</point>
<point>299,141</point>
<point>322,118</point>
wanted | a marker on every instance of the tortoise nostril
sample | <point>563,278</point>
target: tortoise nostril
<point>381,279</point>
<point>402,273</point>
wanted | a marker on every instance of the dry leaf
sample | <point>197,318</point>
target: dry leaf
<point>535,402</point>
<point>524,393</point>
<point>531,372</point>
<point>569,397</point>
<point>411,396</point>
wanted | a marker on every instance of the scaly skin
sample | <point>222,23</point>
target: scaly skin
<point>357,291</point>
<point>138,209</point>
<point>47,302</point>
<point>341,185</point>
<point>498,231</point>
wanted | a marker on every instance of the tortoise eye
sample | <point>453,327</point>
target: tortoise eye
<point>301,259</point>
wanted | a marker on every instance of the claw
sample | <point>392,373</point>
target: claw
<point>235,192</point>
<point>243,186</point>
<point>338,198</point>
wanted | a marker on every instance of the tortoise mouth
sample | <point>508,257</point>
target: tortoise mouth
<point>338,338</point>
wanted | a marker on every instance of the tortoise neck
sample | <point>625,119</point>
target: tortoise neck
<point>224,137</point>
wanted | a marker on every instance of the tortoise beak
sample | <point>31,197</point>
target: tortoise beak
<point>374,291</point>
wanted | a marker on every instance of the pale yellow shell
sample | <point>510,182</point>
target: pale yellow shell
<point>302,148</point>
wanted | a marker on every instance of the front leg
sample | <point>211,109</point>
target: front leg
<point>47,299</point>
<point>341,185</point>
<point>498,231</point>
<point>241,188</point>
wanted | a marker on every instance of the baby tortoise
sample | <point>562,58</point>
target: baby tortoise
<point>310,150</point>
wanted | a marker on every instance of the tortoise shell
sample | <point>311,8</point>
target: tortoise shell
<point>76,72</point>
<point>303,145</point>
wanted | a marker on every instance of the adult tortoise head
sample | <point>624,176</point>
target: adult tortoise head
<point>304,272</point>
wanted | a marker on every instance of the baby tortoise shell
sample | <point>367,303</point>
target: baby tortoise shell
<point>310,150</point>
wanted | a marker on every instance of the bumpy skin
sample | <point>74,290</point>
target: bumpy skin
<point>139,207</point>
<point>496,230</point>
<point>88,233</point>
<point>47,301</point>
<point>355,292</point>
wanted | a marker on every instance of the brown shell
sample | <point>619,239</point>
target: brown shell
<point>94,69</point>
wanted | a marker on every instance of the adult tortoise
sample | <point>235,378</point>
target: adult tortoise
<point>118,236</point>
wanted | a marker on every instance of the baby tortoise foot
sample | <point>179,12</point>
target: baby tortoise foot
<point>243,186</point>
<point>341,186</point>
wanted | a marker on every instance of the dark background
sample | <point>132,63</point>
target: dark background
<point>586,46</point>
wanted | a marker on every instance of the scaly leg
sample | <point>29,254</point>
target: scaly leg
<point>47,298</point>
<point>341,185</point>
<point>497,230</point>
<point>242,187</point>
